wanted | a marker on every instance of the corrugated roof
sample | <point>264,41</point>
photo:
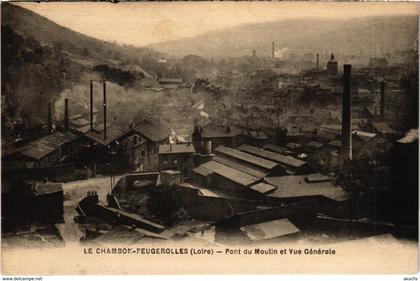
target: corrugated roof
<point>230,173</point>
<point>269,230</point>
<point>44,146</point>
<point>296,186</point>
<point>176,148</point>
<point>237,154</point>
<point>259,173</point>
<point>202,171</point>
<point>263,187</point>
<point>282,159</point>
<point>275,148</point>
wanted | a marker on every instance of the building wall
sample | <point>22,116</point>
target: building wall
<point>183,162</point>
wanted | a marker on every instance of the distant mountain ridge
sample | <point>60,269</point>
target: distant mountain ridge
<point>302,35</point>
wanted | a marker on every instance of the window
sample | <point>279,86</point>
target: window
<point>175,162</point>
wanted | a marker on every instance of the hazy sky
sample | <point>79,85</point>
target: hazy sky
<point>146,23</point>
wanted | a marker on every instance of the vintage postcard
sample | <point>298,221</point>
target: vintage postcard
<point>209,138</point>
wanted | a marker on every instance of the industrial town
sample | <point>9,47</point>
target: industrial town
<point>274,146</point>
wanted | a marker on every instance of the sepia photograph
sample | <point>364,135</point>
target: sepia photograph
<point>209,138</point>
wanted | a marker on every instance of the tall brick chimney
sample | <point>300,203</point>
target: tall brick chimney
<point>49,122</point>
<point>104,83</point>
<point>91,105</point>
<point>66,113</point>
<point>346,148</point>
<point>382,105</point>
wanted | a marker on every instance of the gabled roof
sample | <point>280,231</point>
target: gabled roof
<point>113,133</point>
<point>246,157</point>
<point>282,159</point>
<point>153,132</point>
<point>259,173</point>
<point>297,186</point>
<point>263,187</point>
<point>44,146</point>
<point>230,173</point>
<point>275,148</point>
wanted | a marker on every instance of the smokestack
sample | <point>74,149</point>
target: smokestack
<point>49,124</point>
<point>382,106</point>
<point>91,105</point>
<point>346,152</point>
<point>66,114</point>
<point>272,49</point>
<point>317,62</point>
<point>104,83</point>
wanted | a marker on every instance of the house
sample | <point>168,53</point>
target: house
<point>170,83</point>
<point>255,138</point>
<point>290,165</point>
<point>177,157</point>
<point>208,137</point>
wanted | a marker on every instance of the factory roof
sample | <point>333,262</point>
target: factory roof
<point>298,186</point>
<point>176,148</point>
<point>202,171</point>
<point>279,158</point>
<point>275,148</point>
<point>246,157</point>
<point>263,187</point>
<point>44,146</point>
<point>243,167</point>
<point>230,173</point>
<point>113,133</point>
<point>269,230</point>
